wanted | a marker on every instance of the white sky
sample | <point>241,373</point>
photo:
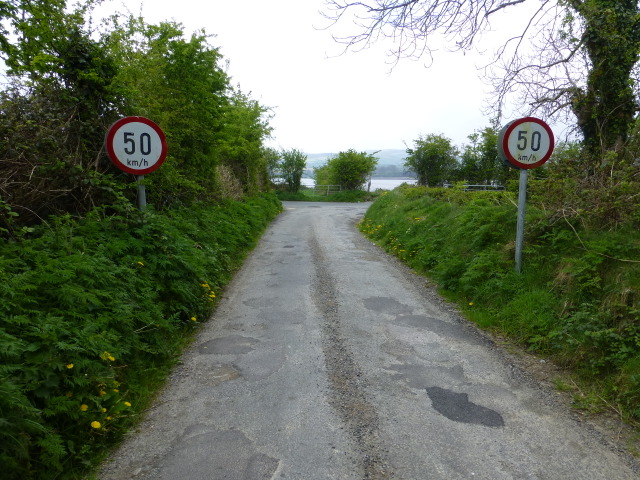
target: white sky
<point>325,102</point>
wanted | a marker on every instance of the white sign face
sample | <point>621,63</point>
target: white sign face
<point>528,143</point>
<point>136,145</point>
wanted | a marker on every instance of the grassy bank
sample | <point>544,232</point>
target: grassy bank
<point>95,312</point>
<point>576,301</point>
<point>308,195</point>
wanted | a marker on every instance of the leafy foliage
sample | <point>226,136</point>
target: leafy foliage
<point>607,197</point>
<point>272,158</point>
<point>95,297</point>
<point>479,161</point>
<point>93,310</point>
<point>54,121</point>
<point>182,85</point>
<point>69,83</point>
<point>349,169</point>
<point>576,298</point>
<point>432,159</point>
<point>606,106</point>
<point>576,60</point>
<point>322,175</point>
<point>291,168</point>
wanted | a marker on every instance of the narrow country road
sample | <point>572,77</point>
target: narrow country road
<point>326,359</point>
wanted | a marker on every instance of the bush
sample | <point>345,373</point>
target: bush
<point>348,169</point>
<point>94,312</point>
<point>575,300</point>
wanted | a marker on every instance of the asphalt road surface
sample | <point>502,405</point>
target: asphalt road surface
<point>327,359</point>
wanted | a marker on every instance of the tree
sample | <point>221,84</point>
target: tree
<point>322,175</point>
<point>292,167</point>
<point>215,131</point>
<point>272,159</point>
<point>240,141</point>
<point>581,54</point>
<point>60,101</point>
<point>433,159</point>
<point>69,83</point>
<point>180,84</point>
<point>479,161</point>
<point>351,169</point>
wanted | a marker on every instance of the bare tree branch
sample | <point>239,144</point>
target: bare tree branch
<point>505,5</point>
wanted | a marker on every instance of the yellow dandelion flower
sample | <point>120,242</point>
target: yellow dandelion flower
<point>102,393</point>
<point>108,418</point>
<point>70,366</point>
<point>95,424</point>
<point>127,404</point>
<point>84,407</point>
<point>470,304</point>
<point>194,319</point>
<point>104,410</point>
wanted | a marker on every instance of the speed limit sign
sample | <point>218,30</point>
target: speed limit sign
<point>136,145</point>
<point>526,143</point>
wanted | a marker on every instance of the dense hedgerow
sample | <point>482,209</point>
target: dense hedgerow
<point>577,297</point>
<point>94,311</point>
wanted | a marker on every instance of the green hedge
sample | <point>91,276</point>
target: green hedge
<point>94,312</point>
<point>577,297</point>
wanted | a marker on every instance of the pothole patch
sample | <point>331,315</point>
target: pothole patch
<point>231,345</point>
<point>457,407</point>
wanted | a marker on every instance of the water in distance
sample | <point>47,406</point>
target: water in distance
<point>376,183</point>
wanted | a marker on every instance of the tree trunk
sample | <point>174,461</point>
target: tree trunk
<point>605,109</point>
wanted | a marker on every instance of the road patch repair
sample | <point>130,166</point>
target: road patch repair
<point>328,359</point>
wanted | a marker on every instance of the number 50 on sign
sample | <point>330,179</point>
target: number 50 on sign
<point>526,143</point>
<point>136,145</point>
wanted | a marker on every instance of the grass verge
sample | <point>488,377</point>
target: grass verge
<point>94,312</point>
<point>576,300</point>
<point>308,195</point>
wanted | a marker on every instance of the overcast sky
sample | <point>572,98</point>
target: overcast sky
<point>324,101</point>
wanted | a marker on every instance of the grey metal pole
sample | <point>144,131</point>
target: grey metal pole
<point>142,193</point>
<point>522,204</point>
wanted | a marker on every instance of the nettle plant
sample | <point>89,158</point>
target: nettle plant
<point>93,314</point>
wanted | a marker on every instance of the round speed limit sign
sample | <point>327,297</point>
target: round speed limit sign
<point>526,143</point>
<point>136,145</point>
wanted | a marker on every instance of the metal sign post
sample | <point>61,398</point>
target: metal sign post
<point>525,143</point>
<point>138,146</point>
<point>522,205</point>
<point>142,193</point>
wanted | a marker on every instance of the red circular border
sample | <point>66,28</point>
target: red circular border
<point>112,154</point>
<point>505,143</point>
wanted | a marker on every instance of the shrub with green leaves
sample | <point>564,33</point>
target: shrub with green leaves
<point>349,169</point>
<point>94,311</point>
<point>576,299</point>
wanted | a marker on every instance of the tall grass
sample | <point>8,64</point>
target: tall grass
<point>577,298</point>
<point>308,195</point>
<point>94,312</point>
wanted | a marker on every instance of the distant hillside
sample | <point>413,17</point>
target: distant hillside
<point>390,162</point>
